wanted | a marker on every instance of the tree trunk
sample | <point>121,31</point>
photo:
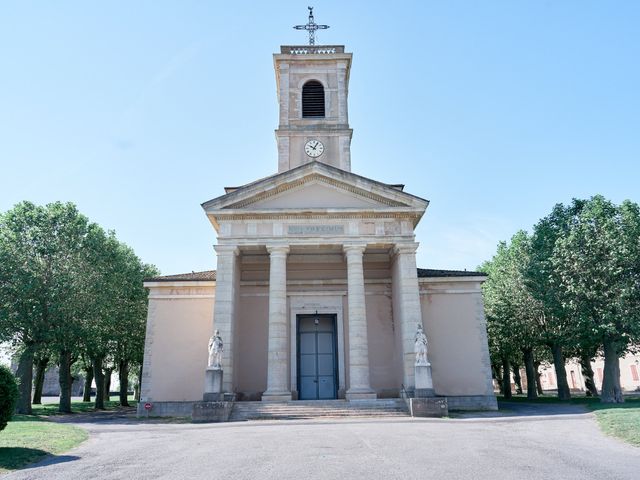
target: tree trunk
<point>611,390</point>
<point>137,397</point>
<point>88,379</point>
<point>517,379</point>
<point>587,374</point>
<point>41,368</point>
<point>107,384</point>
<point>506,378</point>
<point>538,378</point>
<point>531,372</point>
<point>73,380</point>
<point>561,374</point>
<point>123,377</point>
<point>65,381</point>
<point>98,375</point>
<point>25,376</point>
<point>497,376</point>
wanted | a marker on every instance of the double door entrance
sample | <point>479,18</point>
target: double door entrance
<point>317,357</point>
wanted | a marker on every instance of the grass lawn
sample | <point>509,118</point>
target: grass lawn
<point>78,407</point>
<point>28,438</point>
<point>620,420</point>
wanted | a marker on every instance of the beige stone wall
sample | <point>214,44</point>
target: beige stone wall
<point>180,323</point>
<point>251,340</point>
<point>178,329</point>
<point>381,337</point>
<point>453,319</point>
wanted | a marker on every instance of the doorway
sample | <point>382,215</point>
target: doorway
<point>317,357</point>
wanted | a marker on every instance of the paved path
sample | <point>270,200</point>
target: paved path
<point>564,445</point>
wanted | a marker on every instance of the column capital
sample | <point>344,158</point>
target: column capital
<point>354,248</point>
<point>278,249</point>
<point>405,248</point>
<point>226,249</point>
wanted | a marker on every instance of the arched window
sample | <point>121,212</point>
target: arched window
<point>313,100</point>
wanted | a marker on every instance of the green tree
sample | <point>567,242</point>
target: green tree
<point>544,281</point>
<point>513,315</point>
<point>68,291</point>
<point>598,263</point>
<point>8,396</point>
<point>129,343</point>
<point>114,325</point>
<point>33,249</point>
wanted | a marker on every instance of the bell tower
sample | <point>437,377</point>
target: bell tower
<point>313,86</point>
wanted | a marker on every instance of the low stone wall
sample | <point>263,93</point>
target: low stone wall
<point>472,402</point>
<point>166,409</point>
<point>208,412</point>
<point>428,407</point>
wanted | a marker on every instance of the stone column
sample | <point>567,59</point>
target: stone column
<point>278,349</point>
<point>224,307</point>
<point>359,386</point>
<point>406,307</point>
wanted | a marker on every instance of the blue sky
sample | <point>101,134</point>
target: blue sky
<point>493,110</point>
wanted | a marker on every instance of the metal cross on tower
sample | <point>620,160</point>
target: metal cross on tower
<point>311,27</point>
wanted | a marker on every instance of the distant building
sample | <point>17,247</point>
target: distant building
<point>629,374</point>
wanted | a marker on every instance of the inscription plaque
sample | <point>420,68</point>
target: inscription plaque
<point>315,229</point>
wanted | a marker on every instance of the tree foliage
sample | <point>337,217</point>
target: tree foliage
<point>8,396</point>
<point>70,288</point>
<point>573,286</point>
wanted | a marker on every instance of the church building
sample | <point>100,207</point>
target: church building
<point>316,294</point>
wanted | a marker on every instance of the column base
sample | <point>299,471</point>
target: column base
<point>276,396</point>
<point>360,395</point>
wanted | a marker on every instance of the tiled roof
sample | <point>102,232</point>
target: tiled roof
<point>429,273</point>
<point>210,275</point>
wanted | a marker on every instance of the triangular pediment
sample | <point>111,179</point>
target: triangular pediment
<point>314,193</point>
<point>315,186</point>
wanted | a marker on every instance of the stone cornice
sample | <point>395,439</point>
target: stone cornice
<point>311,214</point>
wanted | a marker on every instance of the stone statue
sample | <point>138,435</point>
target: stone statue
<point>420,346</point>
<point>216,348</point>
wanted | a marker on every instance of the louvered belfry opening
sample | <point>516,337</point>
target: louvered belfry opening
<point>313,100</point>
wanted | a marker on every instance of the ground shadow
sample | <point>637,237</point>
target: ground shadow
<point>53,460</point>
<point>508,409</point>
<point>13,458</point>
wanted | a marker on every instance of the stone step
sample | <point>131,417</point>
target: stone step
<point>308,409</point>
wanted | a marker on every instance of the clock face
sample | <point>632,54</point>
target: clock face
<point>314,148</point>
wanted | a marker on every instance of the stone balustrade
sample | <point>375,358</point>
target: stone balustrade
<point>311,49</point>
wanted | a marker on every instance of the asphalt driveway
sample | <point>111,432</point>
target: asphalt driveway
<point>565,444</point>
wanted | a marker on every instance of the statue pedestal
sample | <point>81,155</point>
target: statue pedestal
<point>424,383</point>
<point>213,385</point>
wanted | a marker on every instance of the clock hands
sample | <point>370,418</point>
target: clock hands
<point>314,148</point>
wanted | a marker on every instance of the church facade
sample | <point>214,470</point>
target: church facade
<point>316,294</point>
